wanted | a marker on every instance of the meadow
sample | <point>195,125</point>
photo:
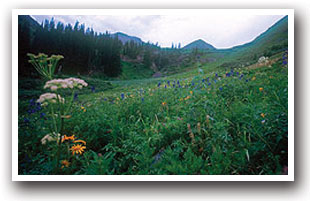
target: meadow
<point>206,121</point>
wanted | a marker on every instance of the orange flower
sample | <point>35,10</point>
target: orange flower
<point>187,97</point>
<point>191,92</point>
<point>77,149</point>
<point>65,163</point>
<point>164,103</point>
<point>261,89</point>
<point>262,115</point>
<point>82,141</point>
<point>65,137</point>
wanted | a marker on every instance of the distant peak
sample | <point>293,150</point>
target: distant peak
<point>200,44</point>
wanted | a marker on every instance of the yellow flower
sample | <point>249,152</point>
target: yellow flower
<point>65,163</point>
<point>82,141</point>
<point>261,89</point>
<point>77,149</point>
<point>191,92</point>
<point>262,115</point>
<point>253,78</point>
<point>164,103</point>
<point>83,108</point>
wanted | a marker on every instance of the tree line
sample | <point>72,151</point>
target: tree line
<point>86,51</point>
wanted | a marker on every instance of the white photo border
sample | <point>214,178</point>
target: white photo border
<point>17,177</point>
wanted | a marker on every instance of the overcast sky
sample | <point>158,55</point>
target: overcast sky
<point>221,31</point>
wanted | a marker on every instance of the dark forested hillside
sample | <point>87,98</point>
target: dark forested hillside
<point>88,52</point>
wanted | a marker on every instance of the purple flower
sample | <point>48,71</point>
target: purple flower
<point>122,96</point>
<point>42,115</point>
<point>93,89</point>
<point>75,96</point>
<point>220,88</point>
<point>26,120</point>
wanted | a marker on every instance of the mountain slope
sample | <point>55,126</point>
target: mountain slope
<point>199,44</point>
<point>276,37</point>
<point>126,38</point>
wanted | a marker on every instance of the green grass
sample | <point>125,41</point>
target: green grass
<point>236,127</point>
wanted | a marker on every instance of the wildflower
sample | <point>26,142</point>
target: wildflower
<point>263,121</point>
<point>26,120</point>
<point>209,83</point>
<point>158,85</point>
<point>168,82</point>
<point>65,137</point>
<point>215,74</point>
<point>66,116</point>
<point>193,83</point>
<point>187,97</point>
<point>246,80</point>
<point>191,92</point>
<point>42,115</point>
<point>65,83</point>
<point>65,163</point>
<point>142,99</point>
<point>208,120</point>
<point>165,86</point>
<point>164,103</point>
<point>93,89</point>
<point>262,115</point>
<point>181,99</point>
<point>83,108</point>
<point>198,127</point>
<point>221,88</point>
<point>77,149</point>
<point>82,141</point>
<point>203,80</point>
<point>75,98</point>
<point>122,96</point>
<point>253,78</point>
<point>49,138</point>
<point>50,98</point>
<point>261,89</point>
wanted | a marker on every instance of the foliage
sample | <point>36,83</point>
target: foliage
<point>210,121</point>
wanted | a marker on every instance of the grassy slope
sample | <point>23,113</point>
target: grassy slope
<point>133,133</point>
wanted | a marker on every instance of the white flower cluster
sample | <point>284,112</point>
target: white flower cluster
<point>50,137</point>
<point>263,59</point>
<point>65,83</point>
<point>50,97</point>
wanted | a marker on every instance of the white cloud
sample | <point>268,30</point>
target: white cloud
<point>222,31</point>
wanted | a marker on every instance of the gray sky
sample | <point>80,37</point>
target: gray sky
<point>221,31</point>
